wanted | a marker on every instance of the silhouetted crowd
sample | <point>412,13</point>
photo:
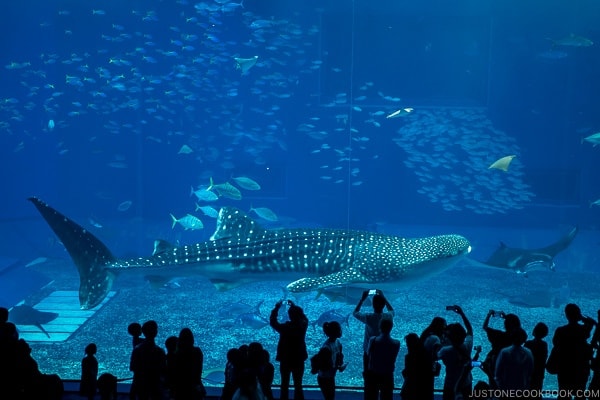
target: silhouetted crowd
<point>515,367</point>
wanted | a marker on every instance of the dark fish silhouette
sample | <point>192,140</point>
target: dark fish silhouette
<point>241,250</point>
<point>27,315</point>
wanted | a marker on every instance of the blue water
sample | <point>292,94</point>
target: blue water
<point>111,111</point>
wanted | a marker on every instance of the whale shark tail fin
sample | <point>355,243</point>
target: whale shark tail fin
<point>89,254</point>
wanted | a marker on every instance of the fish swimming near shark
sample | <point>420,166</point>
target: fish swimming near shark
<point>241,250</point>
<point>524,260</point>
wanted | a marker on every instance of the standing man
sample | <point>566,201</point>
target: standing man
<point>382,352</point>
<point>291,348</point>
<point>372,319</point>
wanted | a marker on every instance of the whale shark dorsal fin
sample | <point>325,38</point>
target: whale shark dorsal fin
<point>235,224</point>
<point>347,276</point>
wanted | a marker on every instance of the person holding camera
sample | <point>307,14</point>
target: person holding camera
<point>372,319</point>
<point>291,348</point>
<point>573,351</point>
<point>456,356</point>
<point>498,340</point>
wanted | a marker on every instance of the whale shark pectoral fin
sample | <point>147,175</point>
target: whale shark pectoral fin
<point>344,277</point>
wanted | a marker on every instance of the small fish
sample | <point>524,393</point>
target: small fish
<point>230,310</point>
<point>595,203</point>
<point>502,163</point>
<point>246,183</point>
<point>124,206</point>
<point>185,149</point>
<point>188,222</point>
<point>265,213</point>
<point>252,321</point>
<point>208,210</point>
<point>593,139</point>
<point>553,54</point>
<point>203,194</point>
<point>226,190</point>
<point>400,113</point>
<point>251,318</point>
<point>573,41</point>
<point>38,260</point>
<point>51,124</point>
<point>331,315</point>
<point>162,282</point>
<point>95,223</point>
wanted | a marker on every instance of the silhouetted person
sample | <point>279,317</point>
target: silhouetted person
<point>372,319</point>
<point>514,364</point>
<point>148,364</point>
<point>232,369</point>
<point>189,360</point>
<point>595,363</point>
<point>9,384</point>
<point>266,374</point>
<point>170,372</point>
<point>433,339</point>
<point>326,377</point>
<point>135,330</point>
<point>456,357</point>
<point>107,386</point>
<point>4,329</point>
<point>30,382</point>
<point>259,366</point>
<point>89,372</point>
<point>539,351</point>
<point>574,352</point>
<point>291,348</point>
<point>382,352</point>
<point>498,340</point>
<point>417,370</point>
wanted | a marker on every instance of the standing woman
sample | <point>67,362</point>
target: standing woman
<point>187,374</point>
<point>326,377</point>
<point>291,348</point>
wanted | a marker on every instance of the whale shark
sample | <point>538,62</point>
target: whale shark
<point>523,260</point>
<point>240,250</point>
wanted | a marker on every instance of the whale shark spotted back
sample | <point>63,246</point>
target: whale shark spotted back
<point>241,250</point>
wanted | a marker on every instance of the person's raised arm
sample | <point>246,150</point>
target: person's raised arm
<point>274,314</point>
<point>364,296</point>
<point>387,303</point>
<point>468,326</point>
<point>486,321</point>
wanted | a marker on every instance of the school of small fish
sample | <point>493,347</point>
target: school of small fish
<point>453,154</point>
<point>189,83</point>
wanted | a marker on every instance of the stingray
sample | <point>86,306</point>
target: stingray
<point>27,315</point>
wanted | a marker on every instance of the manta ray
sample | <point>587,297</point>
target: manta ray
<point>241,250</point>
<point>524,260</point>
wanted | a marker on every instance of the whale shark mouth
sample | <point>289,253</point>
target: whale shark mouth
<point>241,250</point>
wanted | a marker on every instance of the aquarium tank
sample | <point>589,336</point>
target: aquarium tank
<point>194,162</point>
